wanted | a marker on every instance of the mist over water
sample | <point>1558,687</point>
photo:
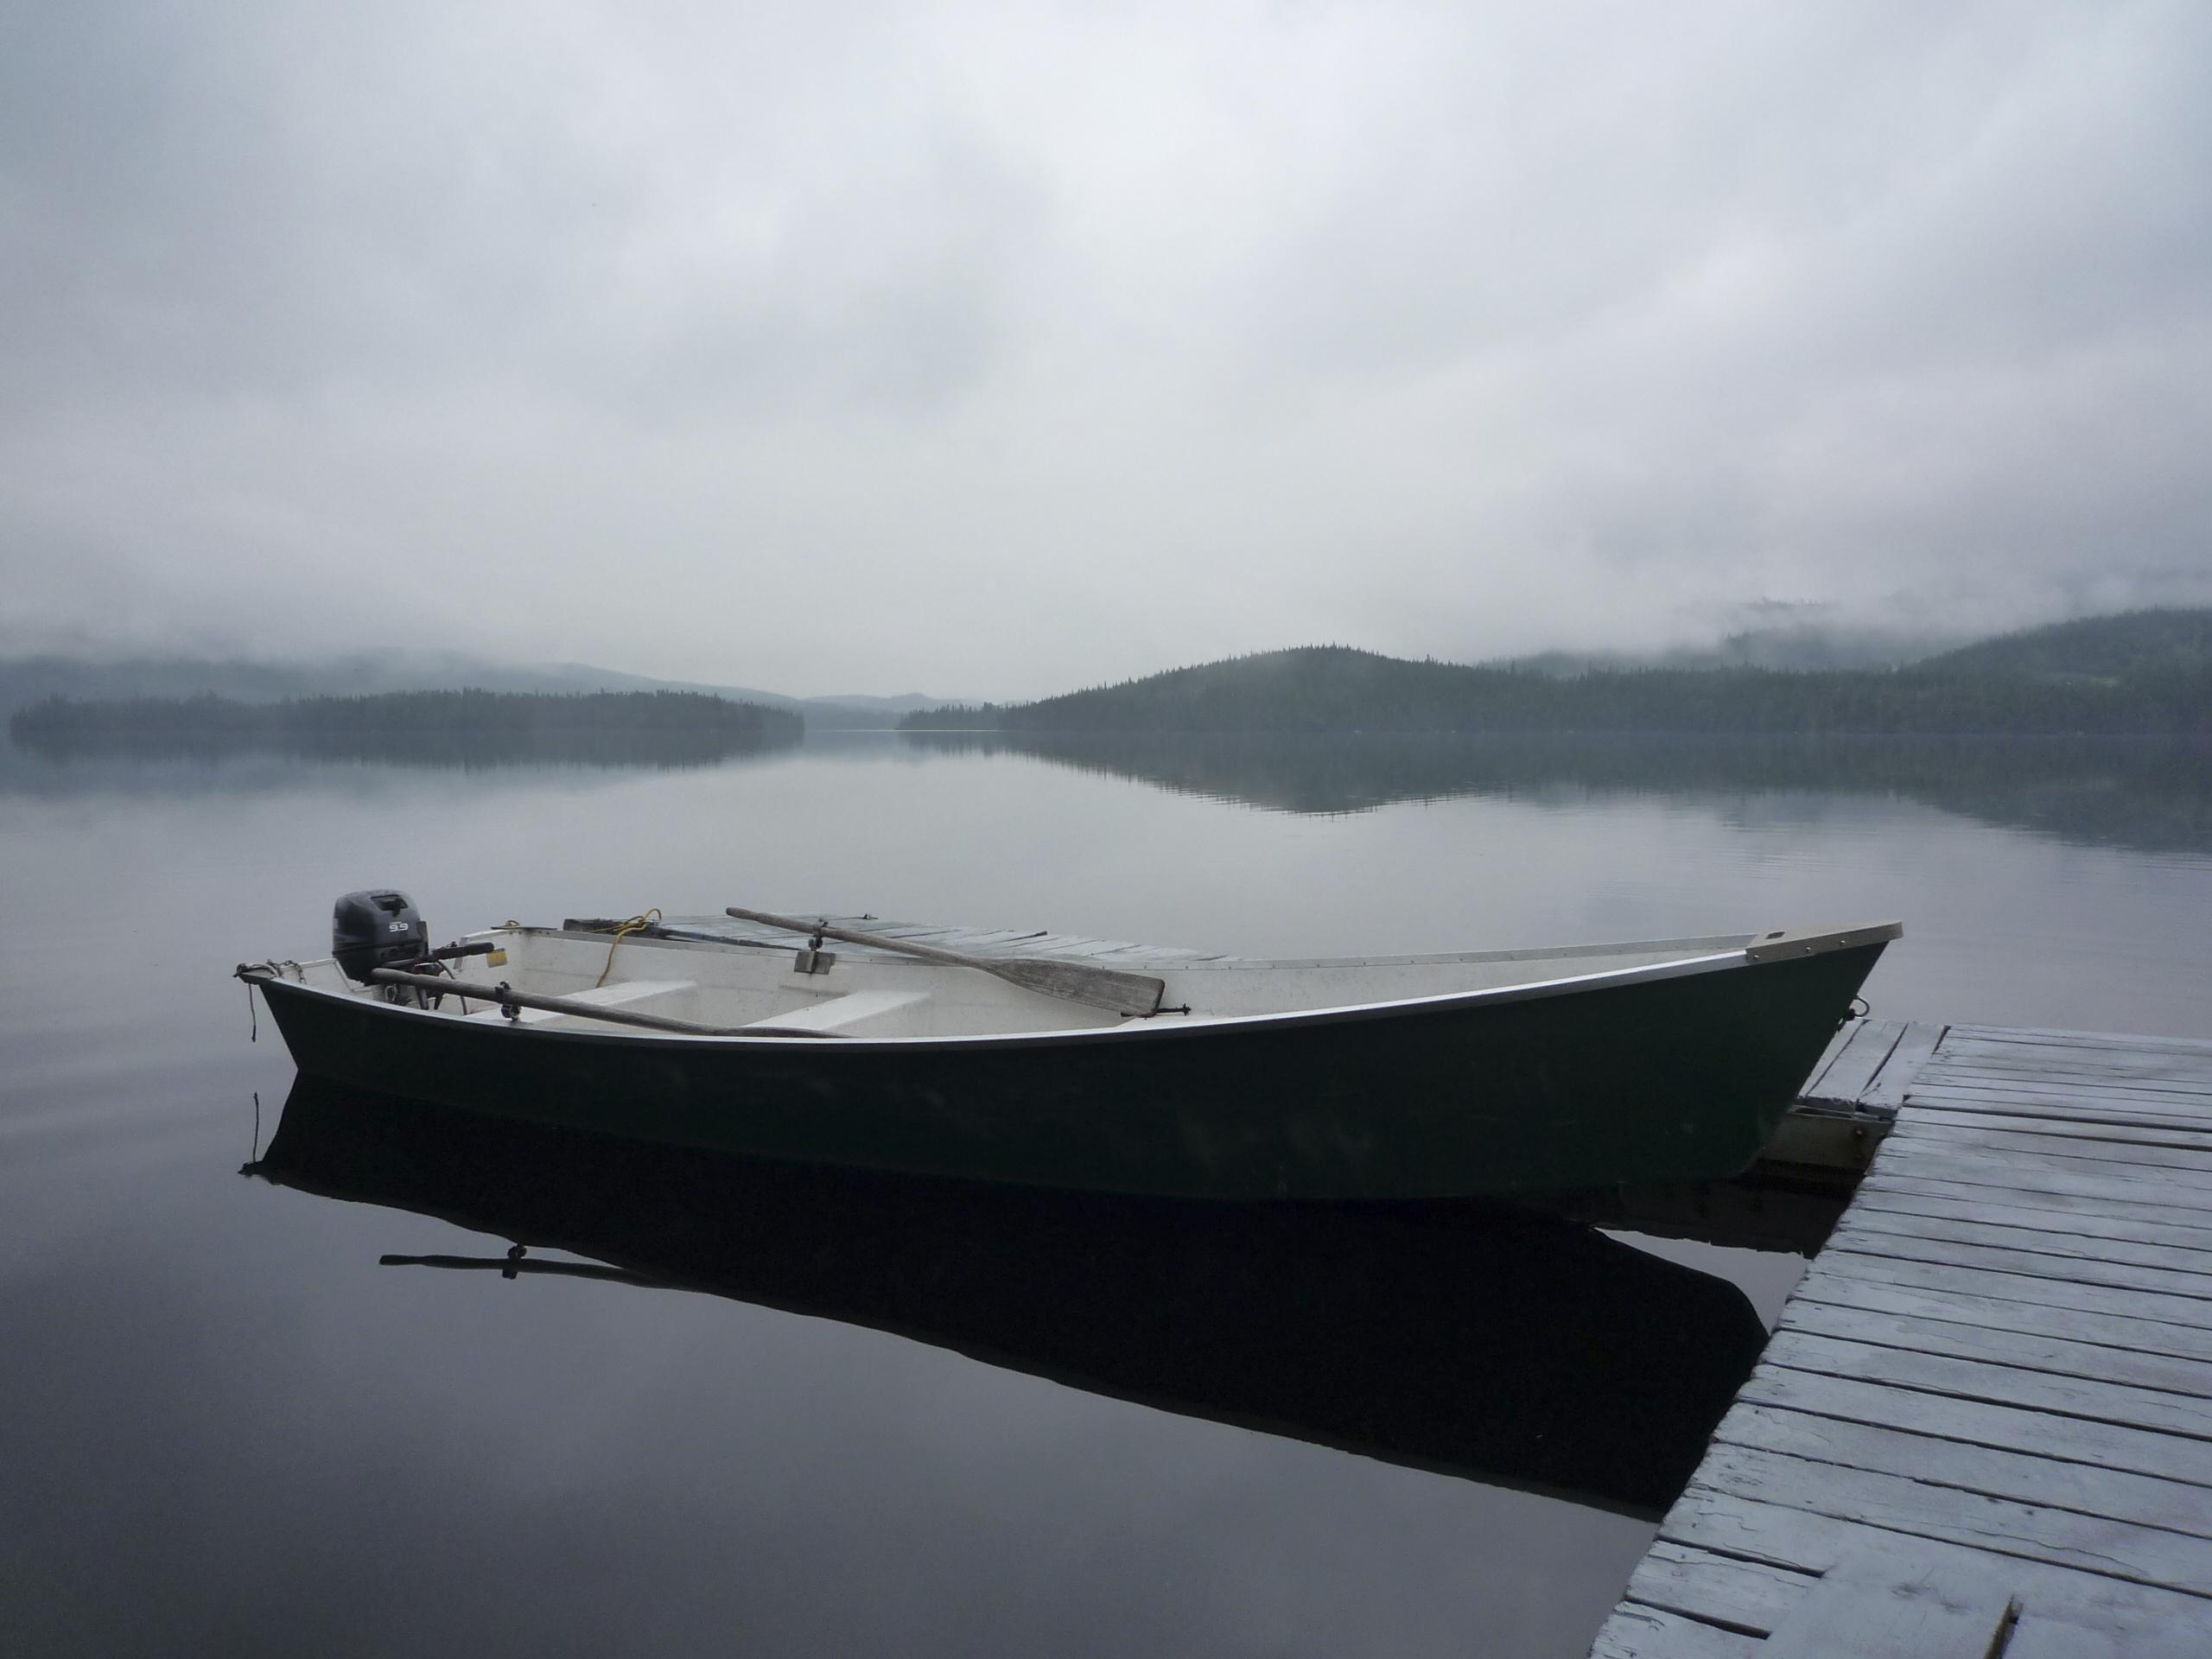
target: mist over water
<point>235,1431</point>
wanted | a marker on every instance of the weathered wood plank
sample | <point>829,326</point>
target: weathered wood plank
<point>2010,1171</point>
<point>2066,1130</point>
<point>1925,1325</point>
<point>1634,1632</point>
<point>2047,1037</point>
<point>2077,1066</point>
<point>1854,1069</point>
<point>1846,1035</point>
<point>2082,1218</point>
<point>2086,1489</point>
<point>2086,1274</point>
<point>1995,1315</point>
<point>2169,1109</point>
<point>2044,1108</point>
<point>2007,1182</point>
<point>1991,1423</point>
<point>2102,1071</point>
<point>1914,1050</point>
<point>2141,1621</point>
<point>2170,1325</point>
<point>2187,1167</point>
<point>2181,1425</point>
<point>2089,1544</point>
<point>1880,1602</point>
<point>1716,1589</point>
<point>2041,1239</point>
<point>1964,1043</point>
<point>2084,1119</point>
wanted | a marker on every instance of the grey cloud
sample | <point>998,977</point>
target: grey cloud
<point>1002,351</point>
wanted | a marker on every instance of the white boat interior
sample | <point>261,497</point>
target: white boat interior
<point>742,979</point>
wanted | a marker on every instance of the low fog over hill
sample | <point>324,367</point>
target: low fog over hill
<point>24,680</point>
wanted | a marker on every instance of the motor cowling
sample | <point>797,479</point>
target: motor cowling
<point>377,928</point>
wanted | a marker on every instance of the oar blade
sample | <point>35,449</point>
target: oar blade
<point>1099,988</point>
<point>1075,981</point>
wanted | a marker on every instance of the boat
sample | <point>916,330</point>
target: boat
<point>1472,1339</point>
<point>1046,1060</point>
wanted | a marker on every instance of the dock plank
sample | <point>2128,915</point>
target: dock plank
<point>2047,1099</point>
<point>2129,1192</point>
<point>2041,1239</point>
<point>1634,1632</point>
<point>2138,1620</point>
<point>1746,1596</point>
<point>1991,1412</point>
<point>2082,1218</point>
<point>2171,1323</point>
<point>2189,1082</point>
<point>1923,1327</point>
<point>1852,1072</point>
<point>1931,1309</point>
<point>2181,1165</point>
<point>2087,1274</point>
<point>1913,1053</point>
<point>2151,1110</point>
<point>2092,1544</point>
<point>2086,1488</point>
<point>2081,1119</point>
<point>2106,1042</point>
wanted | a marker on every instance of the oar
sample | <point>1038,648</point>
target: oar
<point>1101,988</point>
<point>507,998</point>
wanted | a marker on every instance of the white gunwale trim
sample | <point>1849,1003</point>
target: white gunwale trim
<point>1155,1026</point>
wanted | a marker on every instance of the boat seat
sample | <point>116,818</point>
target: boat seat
<point>889,1013</point>
<point>637,994</point>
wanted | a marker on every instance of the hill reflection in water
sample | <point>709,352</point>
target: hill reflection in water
<point>1471,1339</point>
<point>2148,794</point>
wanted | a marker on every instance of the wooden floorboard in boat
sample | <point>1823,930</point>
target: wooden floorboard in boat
<point>1985,1422</point>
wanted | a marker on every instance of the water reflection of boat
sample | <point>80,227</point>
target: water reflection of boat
<point>1469,1338</point>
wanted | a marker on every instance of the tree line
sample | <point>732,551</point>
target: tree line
<point>1335,689</point>
<point>492,724</point>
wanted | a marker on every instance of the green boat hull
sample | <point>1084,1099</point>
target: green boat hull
<point>1677,1077</point>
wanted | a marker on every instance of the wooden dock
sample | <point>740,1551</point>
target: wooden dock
<point>1984,1427</point>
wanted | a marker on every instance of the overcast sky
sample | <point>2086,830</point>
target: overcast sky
<point>992,349</point>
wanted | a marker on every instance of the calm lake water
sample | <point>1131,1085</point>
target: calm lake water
<point>822,1417</point>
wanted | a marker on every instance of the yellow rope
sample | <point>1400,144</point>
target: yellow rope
<point>635,924</point>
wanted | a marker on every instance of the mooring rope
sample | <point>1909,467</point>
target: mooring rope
<point>635,925</point>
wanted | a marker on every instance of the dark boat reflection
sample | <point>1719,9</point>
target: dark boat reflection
<point>1468,1338</point>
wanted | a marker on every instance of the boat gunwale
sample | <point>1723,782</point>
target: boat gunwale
<point>1159,960</point>
<point>1155,1027</point>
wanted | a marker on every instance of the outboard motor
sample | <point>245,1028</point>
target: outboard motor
<point>377,929</point>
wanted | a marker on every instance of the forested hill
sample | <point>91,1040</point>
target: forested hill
<point>2146,672</point>
<point>2139,646</point>
<point>459,725</point>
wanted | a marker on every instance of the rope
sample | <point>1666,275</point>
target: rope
<point>635,925</point>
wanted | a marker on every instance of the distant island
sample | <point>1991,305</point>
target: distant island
<point>2145,673</point>
<point>458,728</point>
<point>25,680</point>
